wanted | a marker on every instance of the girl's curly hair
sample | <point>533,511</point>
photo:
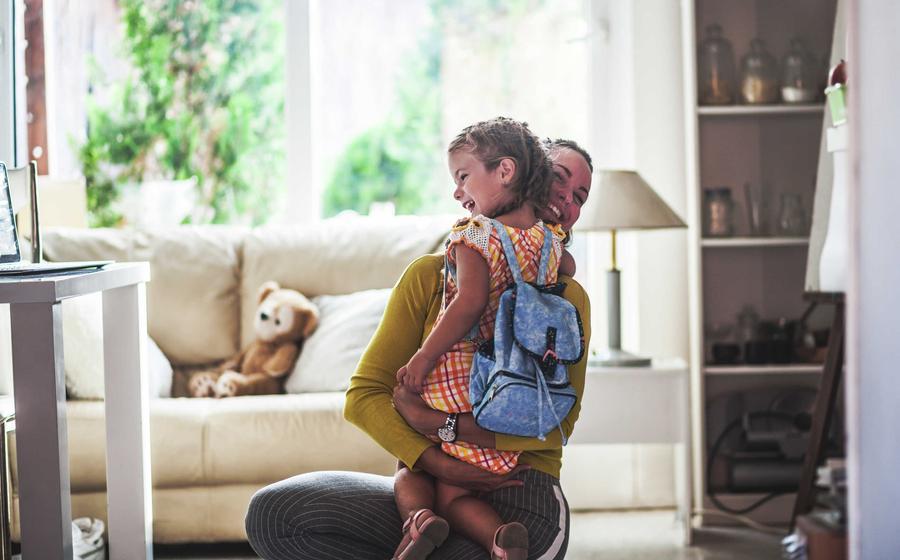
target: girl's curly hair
<point>500,138</point>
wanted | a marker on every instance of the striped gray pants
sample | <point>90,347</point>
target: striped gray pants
<point>347,515</point>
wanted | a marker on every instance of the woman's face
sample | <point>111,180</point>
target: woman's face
<point>570,189</point>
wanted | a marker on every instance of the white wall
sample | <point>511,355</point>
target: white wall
<point>873,360</point>
<point>659,157</point>
<point>639,123</point>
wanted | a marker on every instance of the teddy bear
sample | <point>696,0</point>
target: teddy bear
<point>284,319</point>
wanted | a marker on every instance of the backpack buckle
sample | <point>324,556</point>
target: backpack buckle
<point>549,362</point>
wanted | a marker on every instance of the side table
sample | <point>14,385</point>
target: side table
<point>642,405</point>
<point>7,425</point>
<point>40,405</point>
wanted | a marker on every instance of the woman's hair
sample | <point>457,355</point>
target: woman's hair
<point>552,145</point>
<point>500,138</point>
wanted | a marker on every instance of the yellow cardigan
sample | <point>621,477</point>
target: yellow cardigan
<point>408,318</point>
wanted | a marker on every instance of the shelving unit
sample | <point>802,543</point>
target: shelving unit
<point>732,242</point>
<point>774,369</point>
<point>774,149</point>
<point>759,110</point>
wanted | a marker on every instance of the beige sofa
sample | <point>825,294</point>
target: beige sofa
<point>209,456</point>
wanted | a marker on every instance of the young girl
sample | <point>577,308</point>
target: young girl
<point>501,172</point>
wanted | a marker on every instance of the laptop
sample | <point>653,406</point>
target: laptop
<point>10,258</point>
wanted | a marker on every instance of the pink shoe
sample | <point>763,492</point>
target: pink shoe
<point>510,542</point>
<point>423,531</point>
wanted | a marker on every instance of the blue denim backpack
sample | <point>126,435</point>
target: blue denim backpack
<point>519,382</point>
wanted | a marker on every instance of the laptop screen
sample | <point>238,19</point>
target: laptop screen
<point>9,241</point>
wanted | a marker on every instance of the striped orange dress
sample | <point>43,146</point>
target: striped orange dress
<point>447,387</point>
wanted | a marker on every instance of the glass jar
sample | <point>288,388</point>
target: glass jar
<point>801,75</point>
<point>792,216</point>
<point>747,324</point>
<point>759,75</point>
<point>718,214</point>
<point>715,68</point>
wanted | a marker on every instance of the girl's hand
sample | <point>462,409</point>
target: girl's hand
<point>458,473</point>
<point>414,373</point>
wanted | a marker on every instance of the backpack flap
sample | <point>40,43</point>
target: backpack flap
<point>547,326</point>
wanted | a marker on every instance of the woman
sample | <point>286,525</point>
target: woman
<point>326,515</point>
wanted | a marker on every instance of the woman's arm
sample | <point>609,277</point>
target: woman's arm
<point>427,420</point>
<point>463,313</point>
<point>458,473</point>
<point>414,302</point>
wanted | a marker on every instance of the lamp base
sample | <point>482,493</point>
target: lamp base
<point>616,357</point>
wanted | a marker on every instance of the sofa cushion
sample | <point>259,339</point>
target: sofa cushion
<point>271,437</point>
<point>335,256</point>
<point>346,325</point>
<point>241,440</point>
<point>192,299</point>
<point>177,435</point>
<point>83,352</point>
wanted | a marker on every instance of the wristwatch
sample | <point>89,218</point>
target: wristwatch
<point>447,432</point>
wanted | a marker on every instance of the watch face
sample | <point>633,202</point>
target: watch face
<point>446,434</point>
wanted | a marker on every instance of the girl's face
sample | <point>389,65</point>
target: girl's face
<point>478,190</point>
<point>570,189</point>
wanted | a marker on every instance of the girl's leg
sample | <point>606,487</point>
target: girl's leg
<point>325,516</point>
<point>412,491</point>
<point>468,515</point>
<point>423,531</point>
<point>539,505</point>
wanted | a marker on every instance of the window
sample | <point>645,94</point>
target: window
<point>394,80</point>
<point>184,107</point>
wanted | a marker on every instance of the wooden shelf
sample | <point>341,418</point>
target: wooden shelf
<point>759,110</point>
<point>773,369</point>
<point>776,511</point>
<point>755,242</point>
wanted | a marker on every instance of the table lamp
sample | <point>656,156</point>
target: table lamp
<point>622,200</point>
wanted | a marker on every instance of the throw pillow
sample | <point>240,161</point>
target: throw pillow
<point>83,352</point>
<point>329,357</point>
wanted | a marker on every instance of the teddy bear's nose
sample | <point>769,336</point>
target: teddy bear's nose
<point>263,315</point>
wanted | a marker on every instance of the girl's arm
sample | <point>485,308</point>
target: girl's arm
<point>463,313</point>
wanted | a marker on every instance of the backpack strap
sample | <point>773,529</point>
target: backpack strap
<point>544,267</point>
<point>543,392</point>
<point>509,251</point>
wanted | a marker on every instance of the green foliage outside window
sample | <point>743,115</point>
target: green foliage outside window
<point>205,100</point>
<point>395,161</point>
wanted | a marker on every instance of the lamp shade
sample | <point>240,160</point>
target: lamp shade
<point>621,199</point>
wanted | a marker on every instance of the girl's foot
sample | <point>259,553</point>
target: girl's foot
<point>423,531</point>
<point>510,542</point>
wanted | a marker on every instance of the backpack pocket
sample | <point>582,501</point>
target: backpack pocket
<point>509,407</point>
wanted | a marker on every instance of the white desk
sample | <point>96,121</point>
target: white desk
<point>45,511</point>
<point>642,405</point>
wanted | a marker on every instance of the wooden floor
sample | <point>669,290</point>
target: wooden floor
<point>643,535</point>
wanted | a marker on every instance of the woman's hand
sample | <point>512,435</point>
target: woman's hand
<point>416,412</point>
<point>458,473</point>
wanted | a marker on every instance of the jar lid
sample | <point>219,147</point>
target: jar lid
<point>718,190</point>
